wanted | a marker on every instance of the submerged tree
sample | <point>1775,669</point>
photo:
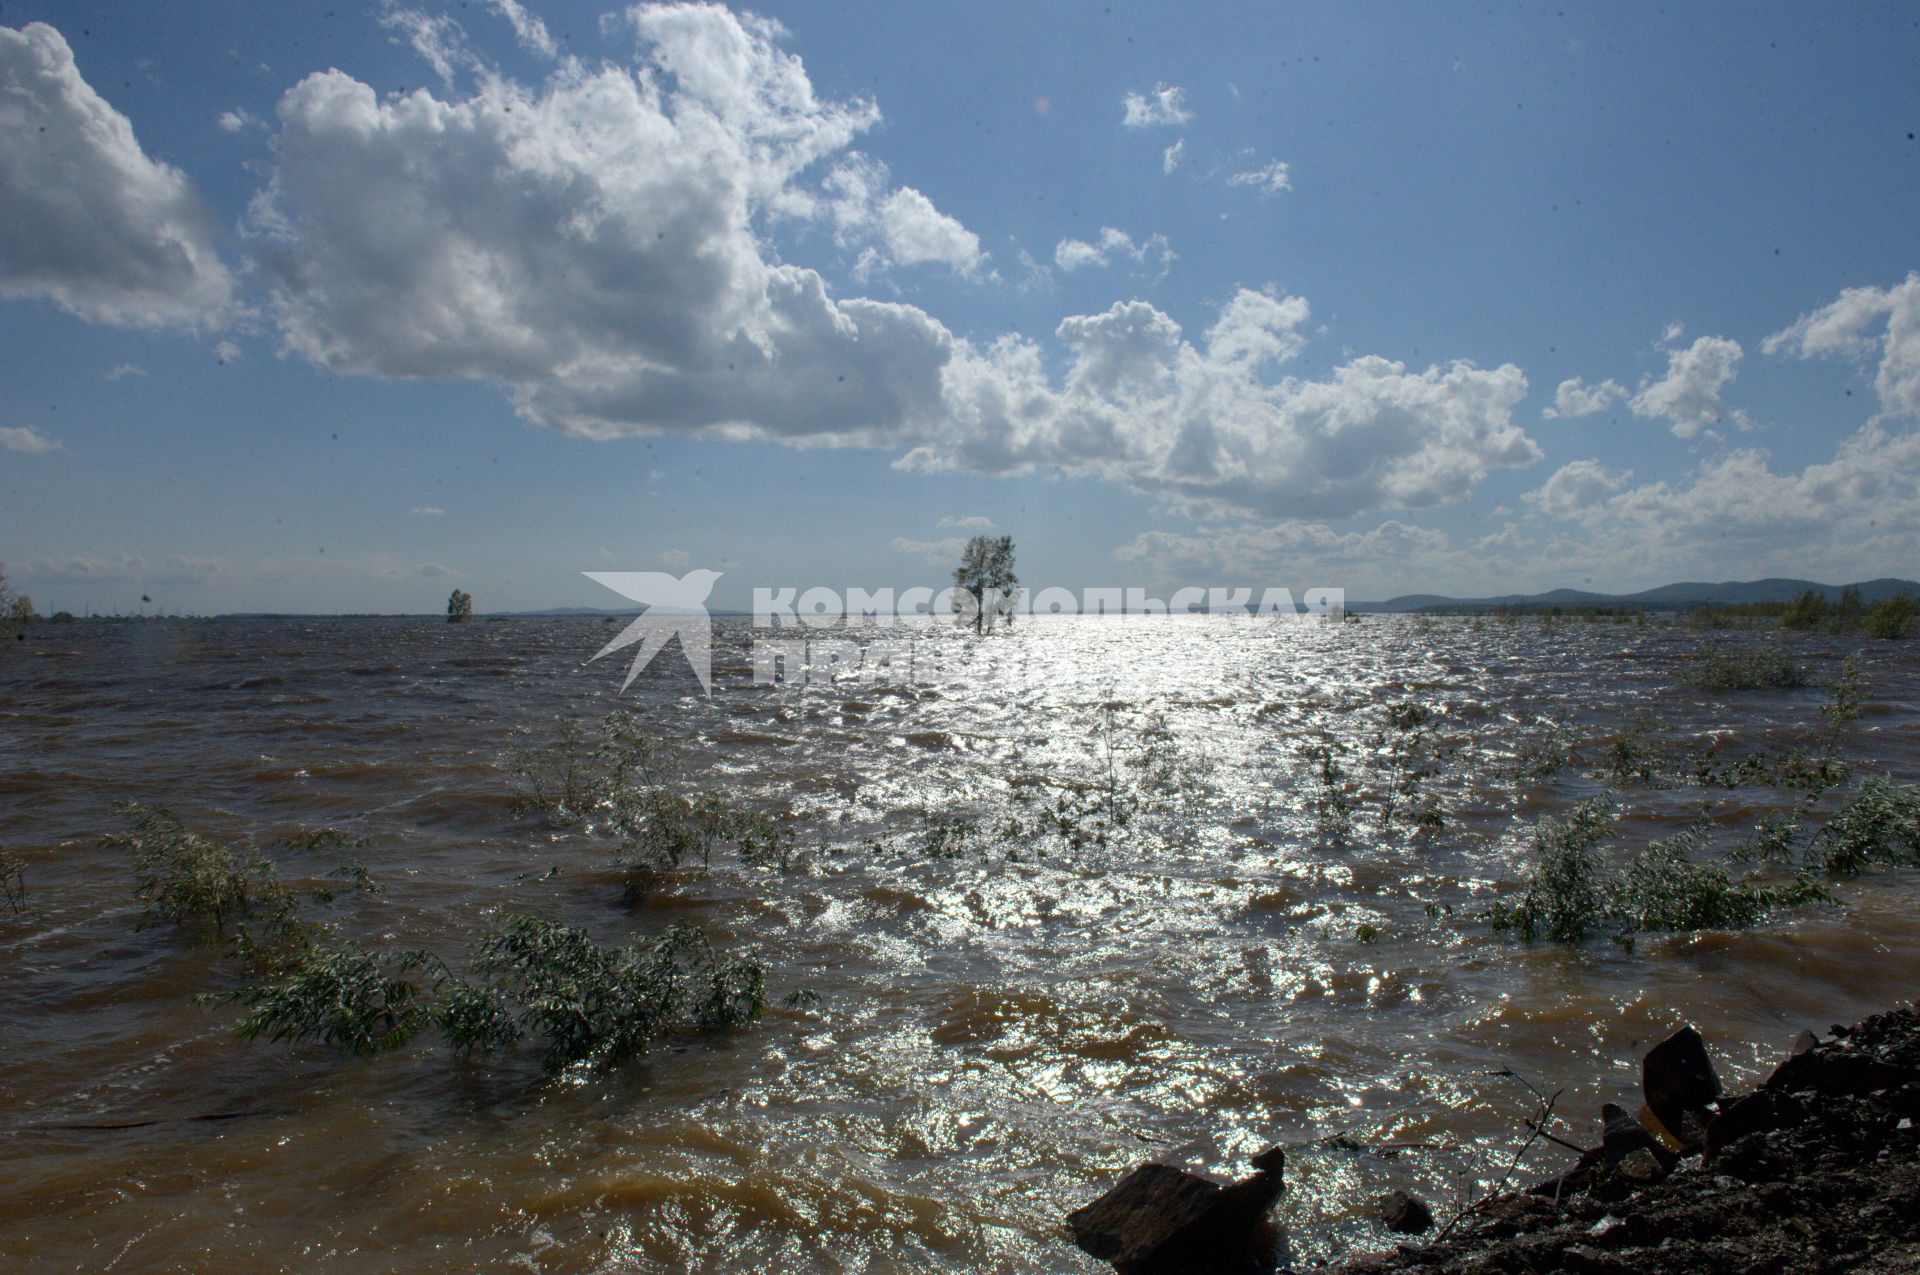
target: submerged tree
<point>459,606</point>
<point>16,609</point>
<point>984,582</point>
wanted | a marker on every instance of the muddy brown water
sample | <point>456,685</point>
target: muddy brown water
<point>998,1035</point>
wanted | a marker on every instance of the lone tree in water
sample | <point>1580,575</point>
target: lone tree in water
<point>984,581</point>
<point>459,606</point>
<point>16,609</point>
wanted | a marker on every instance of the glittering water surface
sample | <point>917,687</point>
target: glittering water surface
<point>1004,1026</point>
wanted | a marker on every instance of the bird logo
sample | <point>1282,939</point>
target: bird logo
<point>676,607</point>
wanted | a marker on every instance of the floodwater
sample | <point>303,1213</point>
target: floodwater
<point>1003,1027</point>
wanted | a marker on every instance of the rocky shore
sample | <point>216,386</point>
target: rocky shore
<point>1817,1170</point>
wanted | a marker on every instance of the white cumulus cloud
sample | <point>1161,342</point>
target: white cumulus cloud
<point>937,551</point>
<point>1166,106</point>
<point>1574,398</point>
<point>88,221</point>
<point>25,438</point>
<point>916,232</point>
<point>1575,487</point>
<point>887,226</point>
<point>1393,557</point>
<point>591,244</point>
<point>1170,158</point>
<point>1112,245</point>
<point>1689,395</point>
<point>1210,427</point>
<point>1859,323</point>
<point>596,245</point>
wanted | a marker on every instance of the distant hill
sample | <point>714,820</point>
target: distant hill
<point>1685,596</point>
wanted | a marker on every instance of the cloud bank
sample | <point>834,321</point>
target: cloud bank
<point>600,246</point>
<point>88,220</point>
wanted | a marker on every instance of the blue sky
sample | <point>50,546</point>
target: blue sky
<point>338,307</point>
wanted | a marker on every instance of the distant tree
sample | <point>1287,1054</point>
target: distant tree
<point>459,606</point>
<point>16,609</point>
<point>1805,612</point>
<point>984,581</point>
<point>1851,608</point>
<point>1892,618</point>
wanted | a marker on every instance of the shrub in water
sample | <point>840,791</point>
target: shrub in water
<point>1892,618</point>
<point>1808,611</point>
<point>1720,669</point>
<point>1880,825</point>
<point>1632,755</point>
<point>1668,888</point>
<point>1571,890</point>
<point>603,1005</point>
<point>13,880</point>
<point>589,1003</point>
<point>618,776</point>
<point>191,880</point>
<point>337,995</point>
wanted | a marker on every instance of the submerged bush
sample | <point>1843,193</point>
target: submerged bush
<point>1793,769</point>
<point>1571,889</point>
<point>1543,752</point>
<point>1844,695</point>
<point>1632,755</point>
<point>1719,669</point>
<point>1333,802</point>
<point>1574,892</point>
<point>13,880</point>
<point>1892,618</point>
<point>603,1005</point>
<point>1774,838</point>
<point>1668,888</point>
<point>339,995</point>
<point>1880,825</point>
<point>661,830</point>
<point>587,1002</point>
<point>622,780</point>
<point>586,769</point>
<point>192,880</point>
<point>1806,612</point>
<point>305,982</point>
<point>1409,757</point>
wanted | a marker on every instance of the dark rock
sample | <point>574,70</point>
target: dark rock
<point>1642,1168</point>
<point>1160,1220</point>
<point>1797,1180</point>
<point>1678,1080</point>
<point>1581,1260</point>
<point>1760,1112</point>
<point>1802,1043</point>
<point>1404,1214</point>
<point>1838,1073</point>
<point>1624,1138</point>
<point>1147,1209</point>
